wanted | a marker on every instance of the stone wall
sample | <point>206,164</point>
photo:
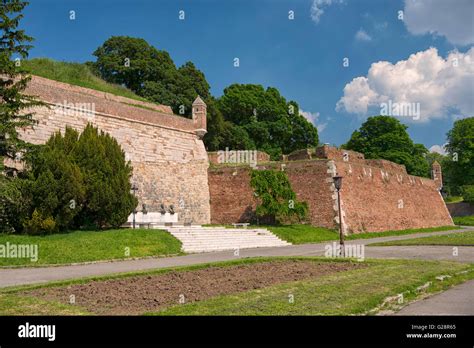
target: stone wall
<point>460,209</point>
<point>376,195</point>
<point>168,157</point>
<point>214,156</point>
<point>375,199</point>
<point>232,198</point>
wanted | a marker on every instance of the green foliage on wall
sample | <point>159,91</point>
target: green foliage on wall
<point>277,201</point>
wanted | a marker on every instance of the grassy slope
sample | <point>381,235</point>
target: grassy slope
<point>352,292</point>
<point>466,238</point>
<point>75,74</point>
<point>464,220</point>
<point>301,234</point>
<point>453,199</point>
<point>345,293</point>
<point>82,246</point>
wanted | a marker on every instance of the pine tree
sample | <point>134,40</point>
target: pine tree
<point>15,107</point>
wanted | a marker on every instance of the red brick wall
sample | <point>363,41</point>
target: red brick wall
<point>393,201</point>
<point>370,202</point>
<point>232,198</point>
<point>311,182</point>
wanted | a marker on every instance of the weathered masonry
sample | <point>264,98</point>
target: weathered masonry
<point>168,156</point>
<point>376,195</point>
<point>171,167</point>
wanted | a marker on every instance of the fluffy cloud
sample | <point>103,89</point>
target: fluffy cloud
<point>452,19</point>
<point>438,149</point>
<point>313,117</point>
<point>318,6</point>
<point>436,85</point>
<point>362,35</point>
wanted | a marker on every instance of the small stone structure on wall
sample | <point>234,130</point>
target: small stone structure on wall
<point>376,195</point>
<point>166,151</point>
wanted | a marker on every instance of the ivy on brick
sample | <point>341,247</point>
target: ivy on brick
<point>277,201</point>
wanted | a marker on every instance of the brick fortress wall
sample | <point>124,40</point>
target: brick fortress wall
<point>166,151</point>
<point>377,195</point>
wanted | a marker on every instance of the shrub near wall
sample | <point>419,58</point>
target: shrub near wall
<point>77,181</point>
<point>277,200</point>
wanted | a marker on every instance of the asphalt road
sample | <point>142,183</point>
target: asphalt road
<point>35,275</point>
<point>458,300</point>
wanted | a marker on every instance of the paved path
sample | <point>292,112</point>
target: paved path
<point>458,300</point>
<point>20,276</point>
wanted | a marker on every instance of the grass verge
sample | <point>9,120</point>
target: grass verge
<point>302,234</point>
<point>465,238</point>
<point>87,246</point>
<point>464,220</point>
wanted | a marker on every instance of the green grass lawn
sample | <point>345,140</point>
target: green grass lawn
<point>453,199</point>
<point>464,238</point>
<point>464,220</point>
<point>83,246</point>
<point>302,234</point>
<point>353,292</point>
<point>75,74</point>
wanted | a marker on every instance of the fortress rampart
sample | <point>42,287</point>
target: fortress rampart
<point>166,151</point>
<point>376,195</point>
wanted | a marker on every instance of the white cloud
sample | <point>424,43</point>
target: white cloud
<point>438,149</point>
<point>362,35</point>
<point>313,117</point>
<point>318,6</point>
<point>452,19</point>
<point>438,86</point>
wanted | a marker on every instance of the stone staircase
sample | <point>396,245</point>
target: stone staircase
<point>196,239</point>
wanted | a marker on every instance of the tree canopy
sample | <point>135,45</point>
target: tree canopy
<point>14,105</point>
<point>385,137</point>
<point>460,158</point>
<point>245,117</point>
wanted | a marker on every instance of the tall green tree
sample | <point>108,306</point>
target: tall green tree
<point>15,105</point>
<point>385,137</point>
<point>132,61</point>
<point>245,117</point>
<point>108,200</point>
<point>460,148</point>
<point>54,186</point>
<point>273,124</point>
<point>15,109</point>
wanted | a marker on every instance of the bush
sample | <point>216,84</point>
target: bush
<point>38,224</point>
<point>77,181</point>
<point>277,200</point>
<point>13,207</point>
<point>55,183</point>
<point>468,193</point>
<point>108,201</point>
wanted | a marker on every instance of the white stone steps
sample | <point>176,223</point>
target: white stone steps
<point>203,239</point>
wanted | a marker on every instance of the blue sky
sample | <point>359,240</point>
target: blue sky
<point>302,57</point>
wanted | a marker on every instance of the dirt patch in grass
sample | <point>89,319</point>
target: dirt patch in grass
<point>151,293</point>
